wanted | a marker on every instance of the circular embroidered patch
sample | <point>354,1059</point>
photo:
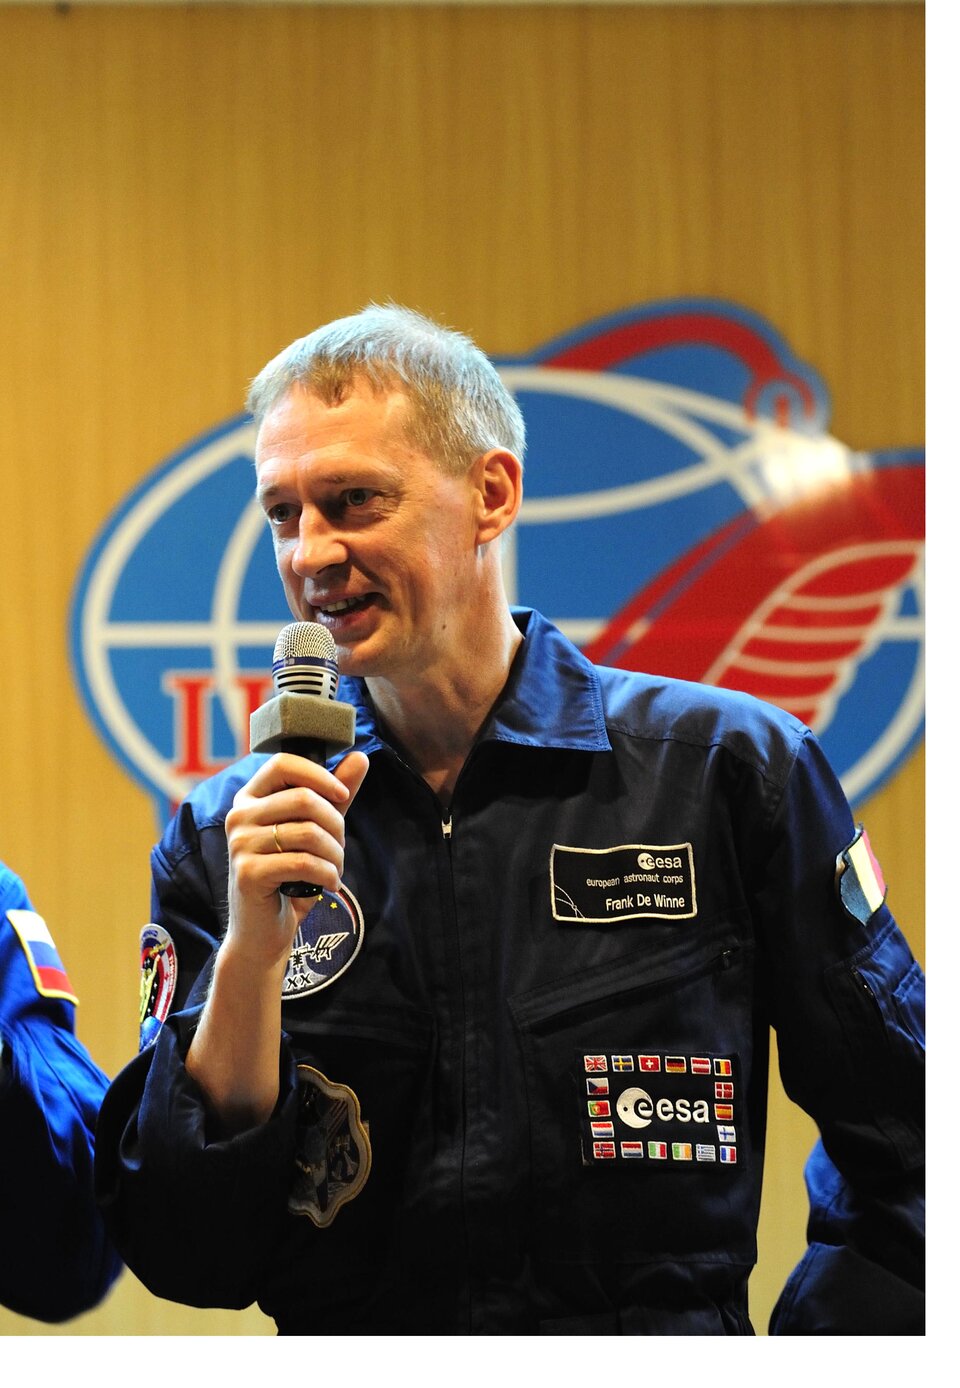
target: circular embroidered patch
<point>333,1148</point>
<point>158,980</point>
<point>325,945</point>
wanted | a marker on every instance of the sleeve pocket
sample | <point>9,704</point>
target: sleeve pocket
<point>878,995</point>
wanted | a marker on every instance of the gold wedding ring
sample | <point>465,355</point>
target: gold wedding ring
<point>276,839</point>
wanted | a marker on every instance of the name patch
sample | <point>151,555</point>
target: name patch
<point>598,886</point>
<point>662,1109</point>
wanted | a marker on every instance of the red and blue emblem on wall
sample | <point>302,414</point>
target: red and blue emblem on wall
<point>687,512</point>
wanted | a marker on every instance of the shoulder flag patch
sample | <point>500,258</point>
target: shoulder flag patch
<point>49,975</point>
<point>860,882</point>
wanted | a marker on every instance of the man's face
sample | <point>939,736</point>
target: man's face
<point>371,538</point>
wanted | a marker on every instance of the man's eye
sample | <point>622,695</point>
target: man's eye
<point>280,514</point>
<point>357,496</point>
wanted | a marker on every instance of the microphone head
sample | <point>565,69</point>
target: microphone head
<point>305,660</point>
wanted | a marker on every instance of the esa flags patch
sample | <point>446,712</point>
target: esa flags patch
<point>49,975</point>
<point>860,882</point>
<point>659,1108</point>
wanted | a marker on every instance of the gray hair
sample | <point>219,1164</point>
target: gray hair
<point>460,406</point>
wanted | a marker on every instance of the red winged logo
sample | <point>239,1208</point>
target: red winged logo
<point>786,607</point>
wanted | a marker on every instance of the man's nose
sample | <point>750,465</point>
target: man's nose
<point>319,546</point>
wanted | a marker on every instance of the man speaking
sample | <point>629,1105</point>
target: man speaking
<point>505,1071</point>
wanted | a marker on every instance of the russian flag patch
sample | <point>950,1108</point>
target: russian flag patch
<point>48,972</point>
<point>859,879</point>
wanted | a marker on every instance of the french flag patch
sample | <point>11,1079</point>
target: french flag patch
<point>859,879</point>
<point>48,972</point>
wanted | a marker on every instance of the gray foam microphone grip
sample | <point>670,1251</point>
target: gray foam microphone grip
<point>302,718</point>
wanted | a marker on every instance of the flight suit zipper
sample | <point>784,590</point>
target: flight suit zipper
<point>446,830</point>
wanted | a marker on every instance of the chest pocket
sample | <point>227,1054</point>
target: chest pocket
<point>623,1066</point>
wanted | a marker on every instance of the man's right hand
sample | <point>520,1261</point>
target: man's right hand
<point>286,824</point>
<point>234,1055</point>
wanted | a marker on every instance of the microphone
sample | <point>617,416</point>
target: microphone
<point>304,716</point>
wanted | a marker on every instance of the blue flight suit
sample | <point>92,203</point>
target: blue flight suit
<point>541,1025</point>
<point>56,1259</point>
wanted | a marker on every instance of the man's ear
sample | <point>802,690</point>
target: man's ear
<point>498,477</point>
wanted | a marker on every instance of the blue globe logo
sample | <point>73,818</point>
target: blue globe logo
<point>686,512</point>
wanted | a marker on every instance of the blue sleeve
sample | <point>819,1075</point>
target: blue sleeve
<point>195,1214</point>
<point>57,1259</point>
<point>847,1002</point>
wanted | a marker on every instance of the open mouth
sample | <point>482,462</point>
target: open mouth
<point>345,605</point>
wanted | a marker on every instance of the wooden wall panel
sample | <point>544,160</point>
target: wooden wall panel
<point>184,190</point>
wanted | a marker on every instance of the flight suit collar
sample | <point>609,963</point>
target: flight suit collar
<point>552,696</point>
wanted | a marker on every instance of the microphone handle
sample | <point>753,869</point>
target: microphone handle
<point>315,752</point>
